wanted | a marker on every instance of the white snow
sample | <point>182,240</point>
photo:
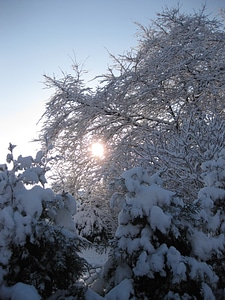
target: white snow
<point>146,197</point>
<point>64,219</point>
<point>203,246</point>
<point>145,201</point>
<point>176,262</point>
<point>209,194</point>
<point>142,265</point>
<point>176,296</point>
<point>207,292</point>
<point>5,255</point>
<point>145,241</point>
<point>124,291</point>
<point>122,272</point>
<point>90,295</point>
<point>20,209</point>
<point>19,291</point>
<point>159,220</point>
<point>202,270</point>
<point>94,257</point>
<point>136,176</point>
<point>133,179</point>
<point>22,227</point>
<point>128,231</point>
<point>129,244</point>
<point>157,261</point>
<point>6,226</point>
<point>149,207</point>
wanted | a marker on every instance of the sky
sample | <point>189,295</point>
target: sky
<point>40,37</point>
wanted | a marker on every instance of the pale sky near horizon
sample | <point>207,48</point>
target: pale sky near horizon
<point>42,36</point>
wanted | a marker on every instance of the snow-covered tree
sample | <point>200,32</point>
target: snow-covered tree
<point>94,223</point>
<point>38,241</point>
<point>62,128</point>
<point>175,76</point>
<point>95,220</point>
<point>181,154</point>
<point>211,218</point>
<point>156,253</point>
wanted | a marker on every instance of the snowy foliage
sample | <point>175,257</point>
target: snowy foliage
<point>199,139</point>
<point>163,248</point>
<point>92,224</point>
<point>19,291</point>
<point>211,217</point>
<point>38,240</point>
<point>160,105</point>
<point>158,251</point>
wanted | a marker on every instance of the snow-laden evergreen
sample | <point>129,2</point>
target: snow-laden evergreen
<point>38,240</point>
<point>154,254</point>
<point>163,248</point>
<point>211,218</point>
<point>95,220</point>
<point>92,224</point>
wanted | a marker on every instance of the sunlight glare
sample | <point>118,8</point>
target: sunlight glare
<point>97,149</point>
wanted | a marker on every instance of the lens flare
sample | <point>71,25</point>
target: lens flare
<point>97,149</point>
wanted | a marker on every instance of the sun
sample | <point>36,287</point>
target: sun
<point>97,149</point>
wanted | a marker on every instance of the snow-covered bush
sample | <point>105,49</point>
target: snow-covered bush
<point>152,254</point>
<point>211,218</point>
<point>38,240</point>
<point>93,224</point>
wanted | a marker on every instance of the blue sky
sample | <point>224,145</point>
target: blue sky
<point>42,36</point>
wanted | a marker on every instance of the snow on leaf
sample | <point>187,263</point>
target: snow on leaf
<point>145,241</point>
<point>7,225</point>
<point>122,271</point>
<point>208,195</point>
<point>64,219</point>
<point>5,255</point>
<point>175,262</point>
<point>157,260</point>
<point>30,201</point>
<point>204,246</point>
<point>159,220</point>
<point>175,296</point>
<point>133,179</point>
<point>201,270</point>
<point>70,204</point>
<point>127,231</point>
<point>207,292</point>
<point>91,295</point>
<point>124,217</point>
<point>20,235</point>
<point>124,291</point>
<point>146,198</point>
<point>138,176</point>
<point>142,265</point>
<point>19,291</point>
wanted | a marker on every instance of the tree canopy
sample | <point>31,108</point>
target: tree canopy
<point>152,108</point>
<point>159,112</point>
